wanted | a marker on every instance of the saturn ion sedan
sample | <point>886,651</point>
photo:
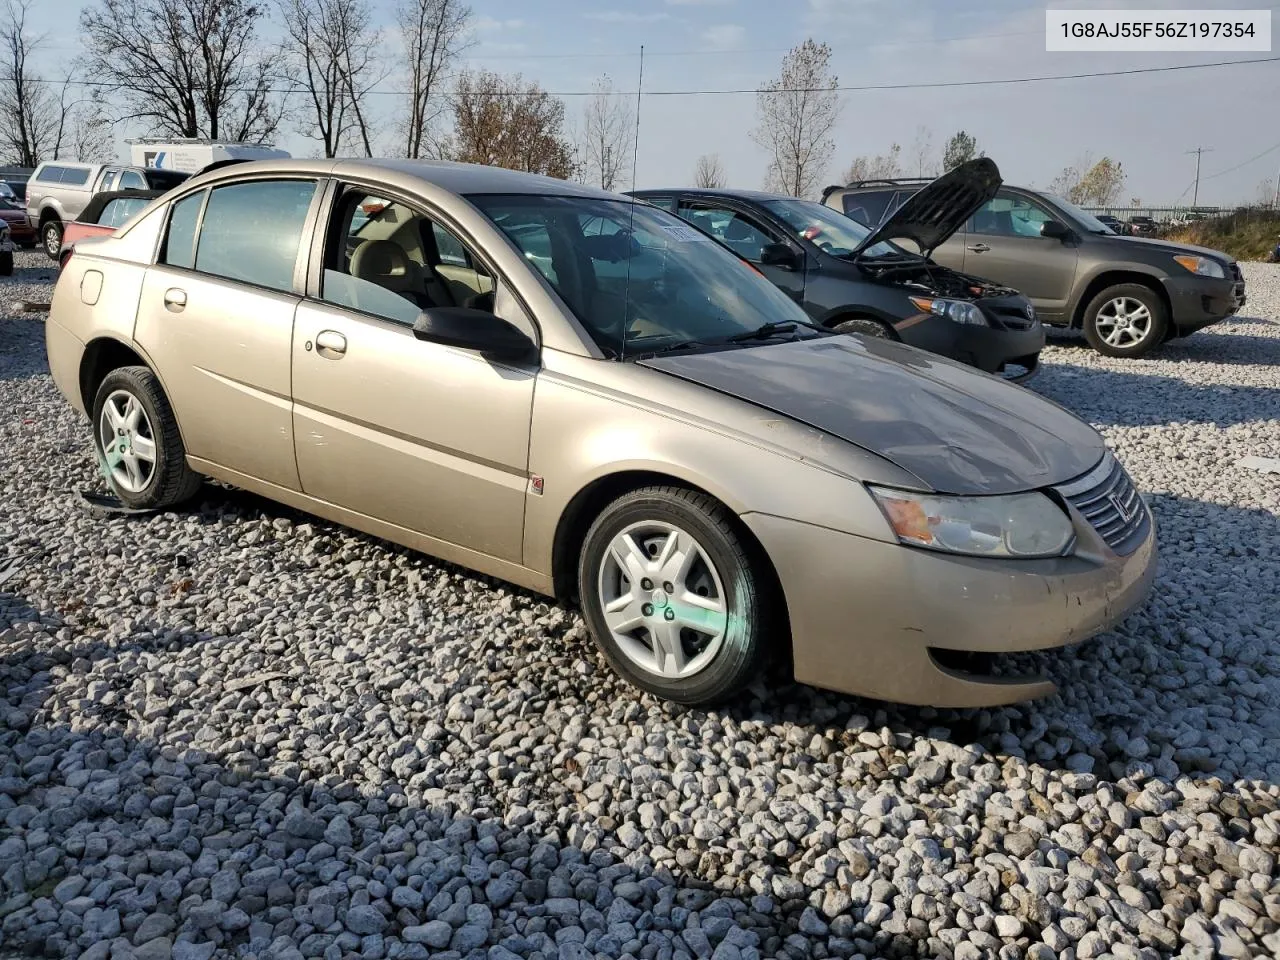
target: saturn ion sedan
<point>585,396</point>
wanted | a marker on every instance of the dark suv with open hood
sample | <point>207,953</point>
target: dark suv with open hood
<point>1127,293</point>
<point>854,280</point>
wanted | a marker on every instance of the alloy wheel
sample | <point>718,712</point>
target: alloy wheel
<point>663,599</point>
<point>52,240</point>
<point>127,441</point>
<point>1123,322</point>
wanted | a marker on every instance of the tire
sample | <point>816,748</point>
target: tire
<point>729,648</point>
<point>6,264</point>
<point>167,481</point>
<point>865,326</point>
<point>51,238</point>
<point>1113,316</point>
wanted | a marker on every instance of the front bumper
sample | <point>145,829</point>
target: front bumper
<point>987,348</point>
<point>1196,302</point>
<point>865,615</point>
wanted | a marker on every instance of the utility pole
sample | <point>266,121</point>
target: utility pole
<point>1195,200</point>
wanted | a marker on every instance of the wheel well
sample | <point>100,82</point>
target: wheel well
<point>100,358</point>
<point>1104,280</point>
<point>831,322</point>
<point>47,214</point>
<point>592,499</point>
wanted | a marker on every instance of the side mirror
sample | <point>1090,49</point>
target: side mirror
<point>778,255</point>
<point>471,329</point>
<point>1054,230</point>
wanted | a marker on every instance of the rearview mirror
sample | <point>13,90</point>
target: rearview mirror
<point>1054,230</point>
<point>470,329</point>
<point>778,255</point>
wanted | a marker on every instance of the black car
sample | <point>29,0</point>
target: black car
<point>852,279</point>
<point>1116,225</point>
<point>1143,226</point>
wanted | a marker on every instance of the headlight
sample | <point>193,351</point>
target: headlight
<point>958,310</point>
<point>1201,265</point>
<point>1020,525</point>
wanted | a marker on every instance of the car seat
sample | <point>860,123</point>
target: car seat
<point>385,263</point>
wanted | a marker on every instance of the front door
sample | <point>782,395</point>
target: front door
<point>746,236</point>
<point>431,438</point>
<point>216,318</point>
<point>1003,244</point>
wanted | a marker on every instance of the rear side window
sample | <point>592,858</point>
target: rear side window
<point>117,212</point>
<point>180,244</point>
<point>108,181</point>
<point>74,176</point>
<point>49,175</point>
<point>868,207</point>
<point>251,232</point>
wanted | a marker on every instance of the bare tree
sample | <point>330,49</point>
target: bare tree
<point>328,55</point>
<point>504,121</point>
<point>709,172</point>
<point>608,127</point>
<point>922,153</point>
<point>187,68</point>
<point>875,168</point>
<point>796,112</point>
<point>433,34</point>
<point>961,148</point>
<point>29,112</point>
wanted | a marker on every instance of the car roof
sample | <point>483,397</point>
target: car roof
<point>459,178</point>
<point>711,192</point>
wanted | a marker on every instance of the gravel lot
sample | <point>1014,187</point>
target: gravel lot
<point>236,731</point>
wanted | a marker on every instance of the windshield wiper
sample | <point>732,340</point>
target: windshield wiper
<point>763,332</point>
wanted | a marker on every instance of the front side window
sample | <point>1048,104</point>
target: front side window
<point>251,232</point>
<point>390,260</point>
<point>1005,216</point>
<point>639,279</point>
<point>180,242</point>
<point>825,228</point>
<point>108,181</point>
<point>740,233</point>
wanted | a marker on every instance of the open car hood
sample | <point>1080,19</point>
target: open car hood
<point>958,431</point>
<point>933,214</point>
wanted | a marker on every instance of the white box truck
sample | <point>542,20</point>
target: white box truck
<point>191,156</point>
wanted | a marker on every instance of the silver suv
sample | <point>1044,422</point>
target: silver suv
<point>59,190</point>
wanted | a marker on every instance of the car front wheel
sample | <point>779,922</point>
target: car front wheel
<point>673,595</point>
<point>1127,320</point>
<point>51,236</point>
<point>137,439</point>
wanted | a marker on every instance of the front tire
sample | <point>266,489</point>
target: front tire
<point>6,264</point>
<point>1127,320</point>
<point>675,598</point>
<point>51,238</point>
<point>136,436</point>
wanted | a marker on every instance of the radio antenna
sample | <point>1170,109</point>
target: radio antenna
<point>631,226</point>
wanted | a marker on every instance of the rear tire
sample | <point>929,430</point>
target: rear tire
<point>51,238</point>
<point>6,264</point>
<point>1127,320</point>
<point>690,619</point>
<point>145,459</point>
<point>865,326</point>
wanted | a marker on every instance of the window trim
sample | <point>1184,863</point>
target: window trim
<point>301,259</point>
<point>313,286</point>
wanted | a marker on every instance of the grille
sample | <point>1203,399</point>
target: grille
<point>1014,319</point>
<point>1107,498</point>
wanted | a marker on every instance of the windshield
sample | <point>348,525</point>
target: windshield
<point>1087,220</point>
<point>830,231</point>
<point>639,278</point>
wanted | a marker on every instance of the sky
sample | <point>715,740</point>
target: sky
<point>1032,130</point>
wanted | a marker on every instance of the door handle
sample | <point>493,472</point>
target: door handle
<point>979,247</point>
<point>331,345</point>
<point>175,300</point>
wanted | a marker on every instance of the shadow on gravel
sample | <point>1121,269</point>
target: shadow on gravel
<point>1221,346</point>
<point>22,353</point>
<point>1110,398</point>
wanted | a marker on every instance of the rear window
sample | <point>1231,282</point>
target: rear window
<point>75,176</point>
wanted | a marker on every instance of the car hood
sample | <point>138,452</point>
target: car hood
<point>1166,246</point>
<point>958,431</point>
<point>933,214</point>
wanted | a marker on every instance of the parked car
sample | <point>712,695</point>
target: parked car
<point>104,215</point>
<point>1142,226</point>
<point>15,217</point>
<point>1113,223</point>
<point>19,190</point>
<point>59,190</point>
<point>1127,294</point>
<point>854,280</point>
<point>447,356</point>
<point>7,250</point>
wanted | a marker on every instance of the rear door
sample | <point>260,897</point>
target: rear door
<point>1003,244</point>
<point>216,318</point>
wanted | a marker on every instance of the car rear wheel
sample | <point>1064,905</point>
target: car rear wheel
<point>51,237</point>
<point>137,440</point>
<point>6,264</point>
<point>673,595</point>
<point>865,326</point>
<point>1127,320</point>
